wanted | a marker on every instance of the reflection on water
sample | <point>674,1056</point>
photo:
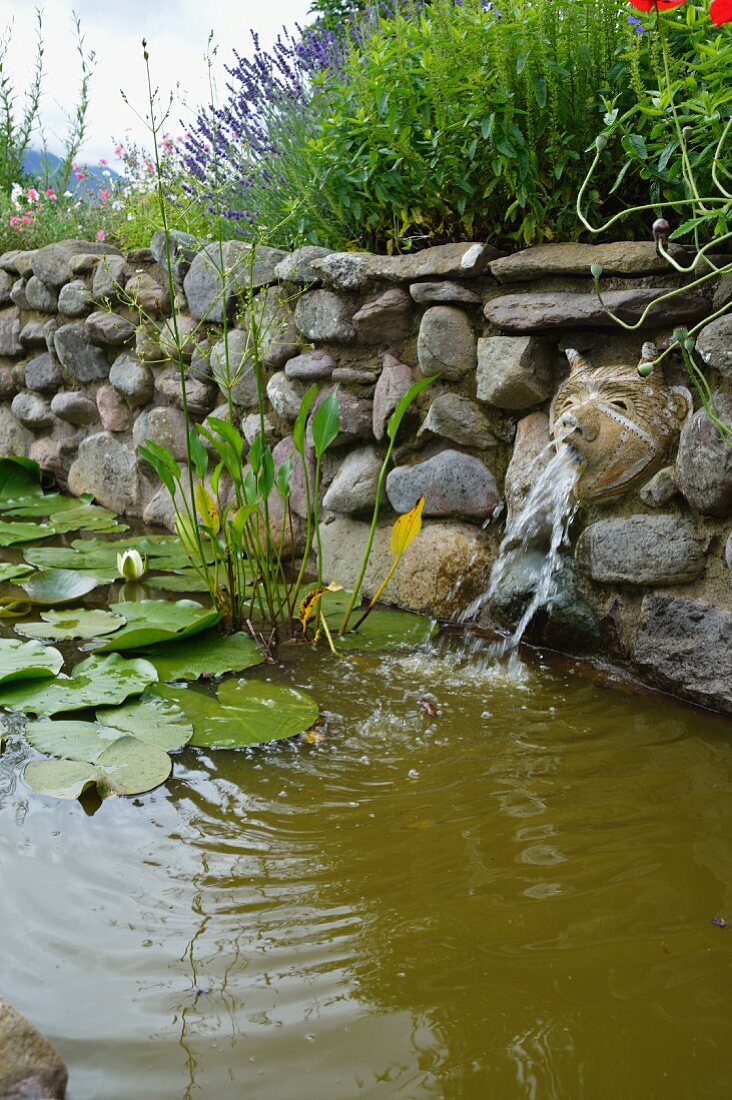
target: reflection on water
<point>512,899</point>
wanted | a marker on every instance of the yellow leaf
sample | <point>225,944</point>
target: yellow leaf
<point>406,528</point>
<point>186,532</point>
<point>206,508</point>
<point>309,605</point>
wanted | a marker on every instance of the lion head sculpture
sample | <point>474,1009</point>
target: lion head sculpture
<point>622,426</point>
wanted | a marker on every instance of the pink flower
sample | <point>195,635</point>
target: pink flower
<point>26,219</point>
<point>119,150</point>
<point>149,165</point>
<point>101,235</point>
<point>32,194</point>
<point>103,161</point>
<point>104,194</point>
<point>51,195</point>
<point>79,175</point>
<point>76,167</point>
<point>14,222</point>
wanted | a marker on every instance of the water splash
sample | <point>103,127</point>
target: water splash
<point>543,520</point>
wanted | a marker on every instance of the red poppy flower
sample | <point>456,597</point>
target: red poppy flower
<point>662,5</point>
<point>721,12</point>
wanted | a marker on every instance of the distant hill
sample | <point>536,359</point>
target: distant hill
<point>37,164</point>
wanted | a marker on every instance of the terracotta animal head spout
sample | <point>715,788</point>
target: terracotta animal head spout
<point>622,426</point>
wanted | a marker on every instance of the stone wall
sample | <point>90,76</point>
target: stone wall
<point>85,378</point>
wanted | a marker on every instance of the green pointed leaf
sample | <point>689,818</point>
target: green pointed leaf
<point>325,424</point>
<point>71,740</point>
<point>27,660</point>
<point>82,623</point>
<point>151,719</point>
<point>19,477</point>
<point>11,572</point>
<point>206,655</point>
<point>130,767</point>
<point>400,411</point>
<point>150,622</point>
<point>57,586</point>
<point>96,682</point>
<point>67,779</point>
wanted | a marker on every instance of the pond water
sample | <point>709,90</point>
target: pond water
<point>510,898</point>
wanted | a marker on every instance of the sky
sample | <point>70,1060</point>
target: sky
<point>176,31</point>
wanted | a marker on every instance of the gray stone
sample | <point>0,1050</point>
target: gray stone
<point>452,483</point>
<point>238,373</point>
<point>30,1067</point>
<point>441,573</point>
<point>18,295</point>
<point>180,250</point>
<point>32,334</point>
<point>165,426</point>
<point>311,366</point>
<point>32,411</point>
<point>344,270</point>
<point>44,374</point>
<point>534,312</point>
<point>14,438</point>
<point>79,357</point>
<point>56,453</point>
<point>566,620</point>
<point>360,376</point>
<point>200,396</point>
<point>109,329</point>
<point>49,333</point>
<point>20,262</point>
<point>74,408</point>
<point>297,267</point>
<point>723,293</point>
<point>251,428</point>
<point>514,372</point>
<point>443,293</point>
<point>660,489</point>
<point>392,384</point>
<point>355,415</point>
<point>728,553</point>
<point>8,383</point>
<point>641,551</point>
<point>108,470</point>
<point>179,337</point>
<point>443,261</point>
<point>110,276</point>
<point>133,379</point>
<point>284,452</point>
<point>321,316</point>
<point>147,294</point>
<point>386,320</point>
<point>704,462</point>
<point>6,284</point>
<point>714,344</point>
<point>219,274</point>
<point>685,647</point>
<point>114,412</point>
<point>353,489</point>
<point>147,346</point>
<point>275,324</point>
<point>83,263</point>
<point>10,326</point>
<point>617,258</point>
<point>459,419</point>
<point>51,264</point>
<point>285,395</point>
<point>40,296</point>
<point>446,344</point>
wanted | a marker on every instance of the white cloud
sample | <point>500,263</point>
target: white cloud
<point>176,31</point>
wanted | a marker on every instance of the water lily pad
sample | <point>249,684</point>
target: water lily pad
<point>57,586</point>
<point>385,627</point>
<point>206,655</point>
<point>13,532</point>
<point>152,719</point>
<point>126,767</point>
<point>245,713</point>
<point>96,682</point>
<point>50,504</point>
<point>27,660</point>
<point>165,553</point>
<point>82,623</point>
<point>187,581</point>
<point>9,571</point>
<point>150,622</point>
<point>71,740</point>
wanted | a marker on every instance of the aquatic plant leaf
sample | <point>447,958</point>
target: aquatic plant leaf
<point>165,553</point>
<point>151,719</point>
<point>96,682</point>
<point>150,622</point>
<point>188,581</point>
<point>406,528</point>
<point>385,627</point>
<point>57,586</point>
<point>13,532</point>
<point>9,571</point>
<point>255,716</point>
<point>83,518</point>
<point>206,655</point>
<point>130,766</point>
<point>81,623</point>
<point>67,779</point>
<point>126,767</point>
<point>50,504</point>
<point>70,740</point>
<point>19,477</point>
<point>27,660</point>
<point>11,607</point>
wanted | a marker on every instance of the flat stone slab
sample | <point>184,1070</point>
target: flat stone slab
<point>531,312</point>
<point>685,646</point>
<point>355,270</point>
<point>617,258</point>
<point>641,551</point>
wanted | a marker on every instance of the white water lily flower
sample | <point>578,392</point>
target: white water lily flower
<point>131,565</point>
